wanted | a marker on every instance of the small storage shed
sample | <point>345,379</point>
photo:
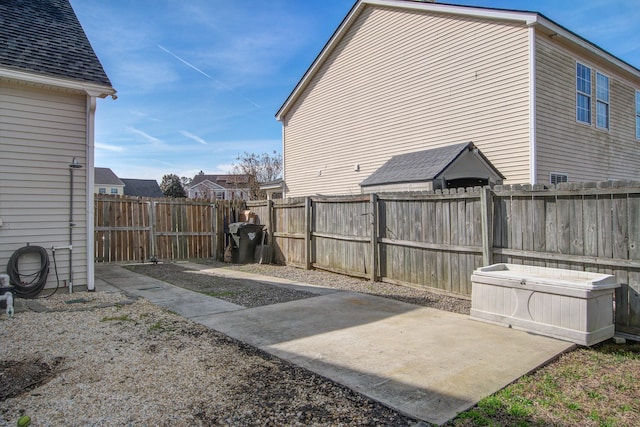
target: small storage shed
<point>452,166</point>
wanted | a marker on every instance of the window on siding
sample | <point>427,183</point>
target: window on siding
<point>114,190</point>
<point>638,114</point>
<point>602,101</point>
<point>557,178</point>
<point>102,190</point>
<point>583,93</point>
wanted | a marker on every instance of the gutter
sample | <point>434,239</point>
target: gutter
<point>93,89</point>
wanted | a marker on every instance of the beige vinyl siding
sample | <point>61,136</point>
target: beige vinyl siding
<point>564,145</point>
<point>40,132</point>
<point>402,81</point>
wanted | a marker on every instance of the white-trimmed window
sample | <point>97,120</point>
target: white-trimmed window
<point>114,190</point>
<point>583,93</point>
<point>638,114</point>
<point>102,190</point>
<point>602,101</point>
<point>557,178</point>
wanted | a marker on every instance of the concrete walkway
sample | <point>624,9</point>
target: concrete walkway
<point>425,363</point>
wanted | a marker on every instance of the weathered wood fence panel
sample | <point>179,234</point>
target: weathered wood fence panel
<point>431,240</point>
<point>184,229</point>
<point>341,235</point>
<point>122,229</point>
<point>290,235</point>
<point>136,229</point>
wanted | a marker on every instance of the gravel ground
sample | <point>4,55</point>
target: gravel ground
<point>253,294</point>
<point>104,359</point>
<point>79,363</point>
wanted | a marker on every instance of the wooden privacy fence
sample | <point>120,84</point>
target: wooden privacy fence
<point>137,229</point>
<point>429,240</point>
<point>435,240</point>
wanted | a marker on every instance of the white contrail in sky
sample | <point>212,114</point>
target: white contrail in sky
<point>194,137</point>
<point>186,63</point>
<point>203,73</point>
<point>145,135</point>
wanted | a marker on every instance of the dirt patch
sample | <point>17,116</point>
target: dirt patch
<point>20,376</point>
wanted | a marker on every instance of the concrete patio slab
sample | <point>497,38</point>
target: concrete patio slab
<point>426,363</point>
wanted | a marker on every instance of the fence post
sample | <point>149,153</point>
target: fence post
<point>152,229</point>
<point>270,221</point>
<point>486,201</point>
<point>307,233</point>
<point>374,236</point>
<point>214,230</point>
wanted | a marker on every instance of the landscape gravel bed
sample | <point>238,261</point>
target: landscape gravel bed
<point>133,363</point>
<point>418,296</point>
<point>242,292</point>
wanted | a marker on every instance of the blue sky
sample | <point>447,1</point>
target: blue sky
<point>199,81</point>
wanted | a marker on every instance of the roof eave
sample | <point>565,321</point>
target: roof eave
<point>91,89</point>
<point>585,44</point>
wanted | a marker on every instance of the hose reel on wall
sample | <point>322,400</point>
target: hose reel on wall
<point>29,285</point>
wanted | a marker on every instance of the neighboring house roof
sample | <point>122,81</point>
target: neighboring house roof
<point>421,166</point>
<point>44,37</point>
<point>105,176</point>
<point>225,181</point>
<point>142,188</point>
<point>528,18</point>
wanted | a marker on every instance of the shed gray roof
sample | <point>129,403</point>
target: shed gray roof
<point>45,37</point>
<point>105,176</point>
<point>142,188</point>
<point>420,166</point>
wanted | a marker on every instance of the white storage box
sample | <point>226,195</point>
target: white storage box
<point>570,305</point>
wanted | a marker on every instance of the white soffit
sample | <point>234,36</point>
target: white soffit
<point>38,79</point>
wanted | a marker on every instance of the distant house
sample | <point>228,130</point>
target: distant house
<point>221,187</point>
<point>543,104</point>
<point>142,188</point>
<point>107,182</point>
<point>273,189</point>
<point>50,80</point>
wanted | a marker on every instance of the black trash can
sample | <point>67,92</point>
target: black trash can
<point>245,237</point>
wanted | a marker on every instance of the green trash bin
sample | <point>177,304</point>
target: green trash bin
<point>245,237</point>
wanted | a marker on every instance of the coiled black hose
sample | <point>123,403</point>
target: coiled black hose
<point>28,285</point>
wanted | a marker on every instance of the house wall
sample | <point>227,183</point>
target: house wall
<point>564,145</point>
<point>40,133</point>
<point>107,187</point>
<point>401,81</point>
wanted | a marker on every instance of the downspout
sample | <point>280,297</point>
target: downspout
<point>90,180</point>
<point>74,165</point>
<point>284,162</point>
<point>533,161</point>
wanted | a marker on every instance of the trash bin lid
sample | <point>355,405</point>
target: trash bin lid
<point>235,227</point>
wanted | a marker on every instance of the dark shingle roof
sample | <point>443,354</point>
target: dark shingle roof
<point>45,37</point>
<point>416,167</point>
<point>105,176</point>
<point>142,187</point>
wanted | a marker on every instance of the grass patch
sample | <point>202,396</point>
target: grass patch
<point>595,386</point>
